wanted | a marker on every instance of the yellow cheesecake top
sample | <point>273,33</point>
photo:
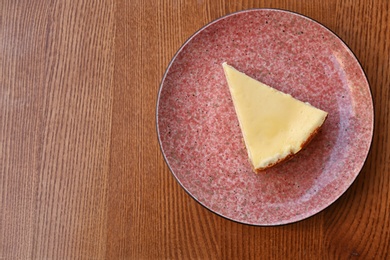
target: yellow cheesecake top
<point>274,124</point>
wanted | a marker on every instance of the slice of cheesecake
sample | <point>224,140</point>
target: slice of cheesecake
<point>275,126</point>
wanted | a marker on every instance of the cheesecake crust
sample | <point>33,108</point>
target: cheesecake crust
<point>291,155</point>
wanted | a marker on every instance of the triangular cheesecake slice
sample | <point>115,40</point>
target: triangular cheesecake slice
<point>275,126</point>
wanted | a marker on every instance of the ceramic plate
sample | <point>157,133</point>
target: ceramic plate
<point>199,133</point>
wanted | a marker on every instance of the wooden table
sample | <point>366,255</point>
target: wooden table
<point>81,172</point>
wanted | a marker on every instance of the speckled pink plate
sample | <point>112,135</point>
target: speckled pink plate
<point>199,133</point>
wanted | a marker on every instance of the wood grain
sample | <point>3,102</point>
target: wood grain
<point>56,103</point>
<point>81,172</point>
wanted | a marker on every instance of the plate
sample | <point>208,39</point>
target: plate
<point>199,133</point>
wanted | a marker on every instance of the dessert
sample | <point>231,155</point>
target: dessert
<point>275,126</point>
